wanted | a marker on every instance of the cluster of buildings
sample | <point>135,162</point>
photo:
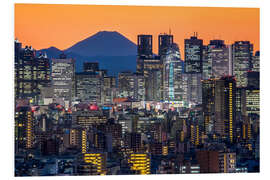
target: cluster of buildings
<point>199,114</point>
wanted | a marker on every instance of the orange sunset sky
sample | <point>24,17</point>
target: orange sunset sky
<point>42,26</point>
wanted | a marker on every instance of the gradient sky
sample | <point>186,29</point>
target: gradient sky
<point>42,26</point>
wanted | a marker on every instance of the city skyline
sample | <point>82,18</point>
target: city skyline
<point>107,106</point>
<point>226,23</point>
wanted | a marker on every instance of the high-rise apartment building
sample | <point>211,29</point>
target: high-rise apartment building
<point>24,128</point>
<point>140,163</point>
<point>94,164</point>
<point>219,106</point>
<point>208,105</point>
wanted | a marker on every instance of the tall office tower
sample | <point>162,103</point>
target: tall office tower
<point>144,50</point>
<point>31,73</point>
<point>172,69</point>
<point>208,105</point>
<point>194,88</point>
<point>242,52</point>
<point>208,161</point>
<point>94,164</point>
<point>63,76</point>
<point>140,163</point>
<point>89,87</point>
<point>139,87</point>
<point>126,84</point>
<point>256,62</point>
<point>218,55</point>
<point>24,128</point>
<point>153,75</point>
<point>219,107</point>
<point>145,45</point>
<point>193,54</point>
<point>193,67</point>
<point>109,89</point>
<point>227,162</point>
<point>165,41</point>
<point>153,85</point>
<point>90,67</point>
<point>207,64</point>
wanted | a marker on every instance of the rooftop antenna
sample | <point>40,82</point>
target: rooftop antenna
<point>169,31</point>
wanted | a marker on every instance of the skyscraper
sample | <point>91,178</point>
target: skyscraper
<point>208,104</point>
<point>218,55</point>
<point>144,50</point>
<point>242,55</point>
<point>31,73</point>
<point>225,96</point>
<point>193,68</point>
<point>139,87</point>
<point>172,69</point>
<point>207,64</point>
<point>193,54</point>
<point>153,75</point>
<point>24,128</point>
<point>89,87</point>
<point>126,84</point>
<point>165,41</point>
<point>219,107</point>
<point>109,89</point>
<point>144,44</point>
<point>63,76</point>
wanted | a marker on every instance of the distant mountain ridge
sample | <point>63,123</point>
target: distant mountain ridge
<point>111,49</point>
<point>104,43</point>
